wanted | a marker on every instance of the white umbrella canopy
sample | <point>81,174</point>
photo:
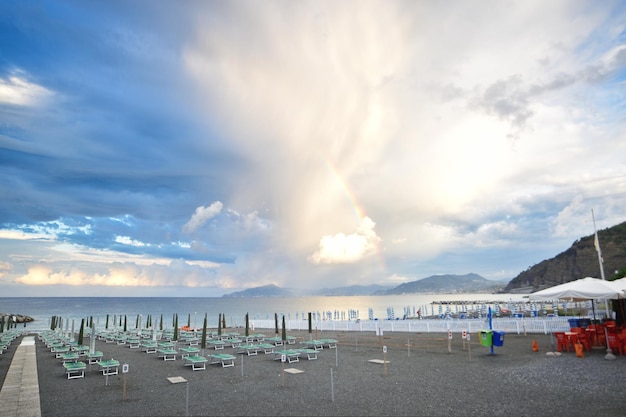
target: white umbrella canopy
<point>620,285</point>
<point>580,289</point>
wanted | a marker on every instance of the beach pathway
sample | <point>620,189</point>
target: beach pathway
<point>19,396</point>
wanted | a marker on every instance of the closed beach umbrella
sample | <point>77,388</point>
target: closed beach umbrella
<point>203,342</point>
<point>223,321</point>
<point>284,330</point>
<point>107,323</point>
<point>176,327</point>
<point>310,324</point>
<point>125,324</point>
<point>92,341</point>
<point>219,325</point>
<point>276,322</point>
<point>189,321</point>
<point>81,332</point>
<point>161,323</point>
<point>247,326</point>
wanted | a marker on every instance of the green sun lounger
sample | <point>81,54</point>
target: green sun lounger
<point>69,357</point>
<point>290,355</point>
<point>267,348</point>
<point>149,347</point>
<point>167,354</point>
<point>188,351</point>
<point>224,358</point>
<point>74,369</point>
<point>277,341</point>
<point>217,344</point>
<point>311,354</point>
<point>196,362</point>
<point>314,344</point>
<point>249,349</point>
<point>94,357</point>
<point>109,367</point>
<point>331,343</point>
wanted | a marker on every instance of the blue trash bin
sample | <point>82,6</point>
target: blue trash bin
<point>498,337</point>
<point>573,323</point>
<point>584,323</point>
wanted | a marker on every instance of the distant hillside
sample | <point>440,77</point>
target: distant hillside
<point>352,290</point>
<point>447,284</point>
<point>579,261</point>
<point>270,290</point>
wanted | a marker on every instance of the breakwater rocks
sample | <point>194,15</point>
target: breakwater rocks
<point>15,318</point>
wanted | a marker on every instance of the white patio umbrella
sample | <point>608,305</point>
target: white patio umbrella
<point>583,289</point>
<point>580,289</point>
<point>620,285</point>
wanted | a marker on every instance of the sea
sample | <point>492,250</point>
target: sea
<point>192,310</point>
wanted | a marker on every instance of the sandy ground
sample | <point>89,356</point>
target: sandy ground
<point>421,378</point>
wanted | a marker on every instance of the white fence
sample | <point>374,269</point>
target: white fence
<point>545,325</point>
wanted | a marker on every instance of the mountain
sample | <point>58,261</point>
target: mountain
<point>578,261</point>
<point>437,284</point>
<point>447,284</point>
<point>352,290</point>
<point>270,290</point>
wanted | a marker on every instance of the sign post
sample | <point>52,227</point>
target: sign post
<point>124,371</point>
<point>385,359</point>
<point>283,359</point>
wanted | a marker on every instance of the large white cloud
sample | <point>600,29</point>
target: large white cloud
<point>458,130</point>
<point>342,248</point>
<point>440,115</point>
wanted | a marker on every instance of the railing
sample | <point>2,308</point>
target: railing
<point>545,325</point>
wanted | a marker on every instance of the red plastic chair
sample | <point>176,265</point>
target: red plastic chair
<point>600,335</point>
<point>561,341</point>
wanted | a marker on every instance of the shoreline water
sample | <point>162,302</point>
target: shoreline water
<point>336,309</point>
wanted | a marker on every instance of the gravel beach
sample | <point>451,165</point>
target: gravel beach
<point>421,378</point>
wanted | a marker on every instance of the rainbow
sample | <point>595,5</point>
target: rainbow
<point>359,211</point>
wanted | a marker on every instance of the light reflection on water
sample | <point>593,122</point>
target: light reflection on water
<point>234,309</point>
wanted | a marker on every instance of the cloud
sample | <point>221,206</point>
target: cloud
<point>342,248</point>
<point>125,240</point>
<point>301,123</point>
<point>18,90</point>
<point>175,274</point>
<point>201,215</point>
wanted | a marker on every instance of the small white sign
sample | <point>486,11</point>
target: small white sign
<point>384,349</point>
<point>468,337</point>
<point>464,334</point>
<point>125,368</point>
<point>283,358</point>
<point>450,334</point>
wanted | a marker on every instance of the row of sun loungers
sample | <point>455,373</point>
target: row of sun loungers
<point>71,353</point>
<point>7,337</point>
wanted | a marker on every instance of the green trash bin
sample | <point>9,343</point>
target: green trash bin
<point>485,337</point>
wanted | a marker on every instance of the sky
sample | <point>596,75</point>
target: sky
<point>199,148</point>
